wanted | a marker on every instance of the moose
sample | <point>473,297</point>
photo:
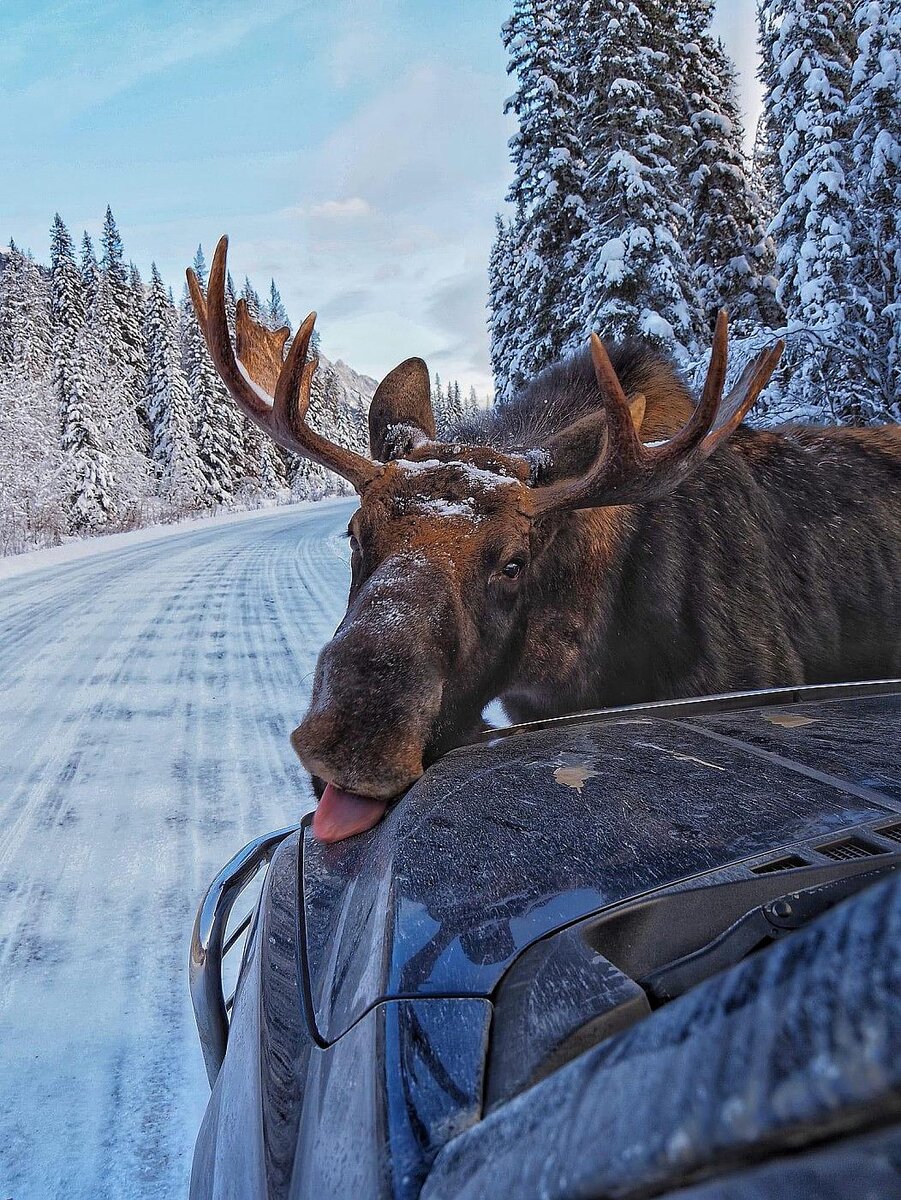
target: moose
<point>600,540</point>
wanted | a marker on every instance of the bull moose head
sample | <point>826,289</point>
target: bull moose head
<point>451,544</point>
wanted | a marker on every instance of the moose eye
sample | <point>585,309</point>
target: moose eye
<point>512,569</point>
<point>354,544</point>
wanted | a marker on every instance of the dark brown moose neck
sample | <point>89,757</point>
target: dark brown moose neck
<point>766,569</point>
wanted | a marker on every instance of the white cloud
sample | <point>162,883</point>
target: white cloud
<point>342,210</point>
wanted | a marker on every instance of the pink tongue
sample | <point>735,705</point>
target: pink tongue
<point>342,814</point>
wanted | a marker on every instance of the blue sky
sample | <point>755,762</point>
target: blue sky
<point>355,151</point>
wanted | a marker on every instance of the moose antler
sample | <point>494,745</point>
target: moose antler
<point>628,472</point>
<point>274,394</point>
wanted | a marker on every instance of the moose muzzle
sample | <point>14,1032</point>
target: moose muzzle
<point>377,695</point>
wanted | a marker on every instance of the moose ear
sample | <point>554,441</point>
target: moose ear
<point>576,447</point>
<point>400,416</point>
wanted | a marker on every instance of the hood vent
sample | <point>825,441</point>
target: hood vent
<point>788,862</point>
<point>890,831</point>
<point>849,847</point>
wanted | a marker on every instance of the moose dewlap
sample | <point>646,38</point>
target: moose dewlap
<point>603,539</point>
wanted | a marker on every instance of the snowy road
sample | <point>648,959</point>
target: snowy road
<point>147,695</point>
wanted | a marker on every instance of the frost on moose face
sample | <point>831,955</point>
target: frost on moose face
<point>430,615</point>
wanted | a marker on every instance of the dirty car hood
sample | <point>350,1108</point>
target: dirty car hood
<point>502,843</point>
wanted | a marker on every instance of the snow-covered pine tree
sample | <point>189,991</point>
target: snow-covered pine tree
<point>309,480</point>
<point>89,499</point>
<point>725,237</point>
<point>506,320</point>
<point>253,461</point>
<point>25,336</point>
<point>875,113</point>
<point>231,295</point>
<point>635,276</point>
<point>221,428</point>
<point>271,480</point>
<point>90,272</point>
<point>137,308</point>
<point>766,176</point>
<point>549,180</point>
<point>275,316</point>
<point>117,322</point>
<point>251,298</point>
<point>33,473</point>
<point>136,332</point>
<point>439,404</point>
<point>33,487</point>
<point>807,76</point>
<point>168,402</point>
<point>455,403</point>
<point>213,410</point>
<point>250,464</point>
<point>256,459</point>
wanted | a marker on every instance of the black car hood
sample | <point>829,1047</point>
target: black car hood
<point>500,844</point>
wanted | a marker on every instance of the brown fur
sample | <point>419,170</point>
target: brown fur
<point>777,562</point>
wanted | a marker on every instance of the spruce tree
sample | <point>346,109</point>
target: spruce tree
<point>808,77</point>
<point>117,320</point>
<point>766,177</point>
<point>199,265</point>
<point>90,500</point>
<point>214,411</point>
<point>507,317</point>
<point>725,236</point>
<point>137,315</point>
<point>136,335</point>
<point>875,114</point>
<point>636,278</point>
<point>455,405</point>
<point>439,404</point>
<point>310,481</point>
<point>90,271</point>
<point>549,179</point>
<point>239,438</point>
<point>113,261</point>
<point>275,315</point>
<point>251,298</point>
<point>25,336</point>
<point>272,479</point>
<point>167,400</point>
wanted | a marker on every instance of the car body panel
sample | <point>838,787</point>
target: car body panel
<point>359,1053</point>
<point>500,844</point>
<point>791,1047</point>
<point>389,1094</point>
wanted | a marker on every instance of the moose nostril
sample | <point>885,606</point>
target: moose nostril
<point>379,774</point>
